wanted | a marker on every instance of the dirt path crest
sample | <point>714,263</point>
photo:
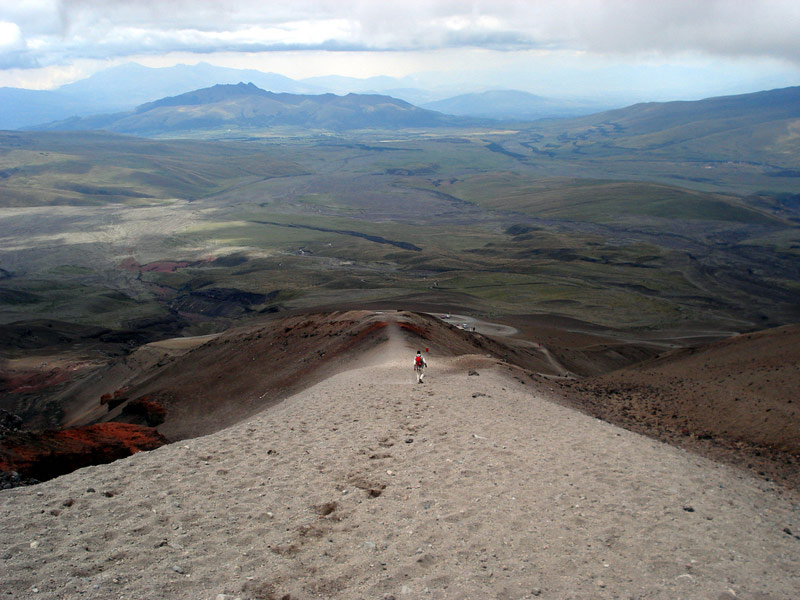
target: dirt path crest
<point>368,485</point>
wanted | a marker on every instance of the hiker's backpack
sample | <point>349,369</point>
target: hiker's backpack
<point>418,361</point>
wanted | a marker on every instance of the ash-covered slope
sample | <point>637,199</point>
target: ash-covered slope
<point>189,387</point>
<point>369,485</point>
<point>186,387</point>
<point>737,395</point>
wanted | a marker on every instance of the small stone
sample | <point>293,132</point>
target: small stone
<point>405,590</point>
<point>688,509</point>
<point>179,569</point>
<point>472,372</point>
<point>108,494</point>
<point>68,502</point>
<point>409,441</point>
<point>34,544</point>
<point>90,490</point>
<point>536,592</point>
<point>7,556</point>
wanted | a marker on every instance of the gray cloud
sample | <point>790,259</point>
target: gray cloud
<point>58,32</point>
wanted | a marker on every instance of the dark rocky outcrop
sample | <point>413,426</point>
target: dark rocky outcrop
<point>26,455</point>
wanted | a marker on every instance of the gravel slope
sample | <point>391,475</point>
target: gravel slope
<point>368,485</point>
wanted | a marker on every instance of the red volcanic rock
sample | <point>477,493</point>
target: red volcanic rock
<point>49,454</point>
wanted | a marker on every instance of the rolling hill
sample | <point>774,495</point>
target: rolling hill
<point>247,107</point>
<point>762,127</point>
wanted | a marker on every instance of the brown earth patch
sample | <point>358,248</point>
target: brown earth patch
<point>161,266</point>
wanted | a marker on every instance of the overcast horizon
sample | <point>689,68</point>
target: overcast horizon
<point>674,49</point>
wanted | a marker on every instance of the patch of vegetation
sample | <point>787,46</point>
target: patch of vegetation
<point>319,220</point>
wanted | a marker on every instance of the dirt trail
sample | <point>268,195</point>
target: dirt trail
<point>367,485</point>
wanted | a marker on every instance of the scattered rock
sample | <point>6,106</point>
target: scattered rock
<point>788,531</point>
<point>323,510</point>
<point>9,422</point>
<point>473,372</point>
<point>179,569</point>
<point>12,479</point>
<point>688,509</point>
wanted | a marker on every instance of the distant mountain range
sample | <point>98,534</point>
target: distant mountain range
<point>246,107</point>
<point>124,87</point>
<point>510,105</point>
<point>754,127</point>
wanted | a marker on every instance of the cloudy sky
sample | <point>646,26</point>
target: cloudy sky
<point>661,48</point>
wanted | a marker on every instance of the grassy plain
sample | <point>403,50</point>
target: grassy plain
<point>510,222</point>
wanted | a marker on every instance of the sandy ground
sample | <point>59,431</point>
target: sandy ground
<point>370,486</point>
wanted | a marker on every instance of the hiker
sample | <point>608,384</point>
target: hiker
<point>419,365</point>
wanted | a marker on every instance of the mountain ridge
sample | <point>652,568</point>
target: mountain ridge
<point>247,106</point>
